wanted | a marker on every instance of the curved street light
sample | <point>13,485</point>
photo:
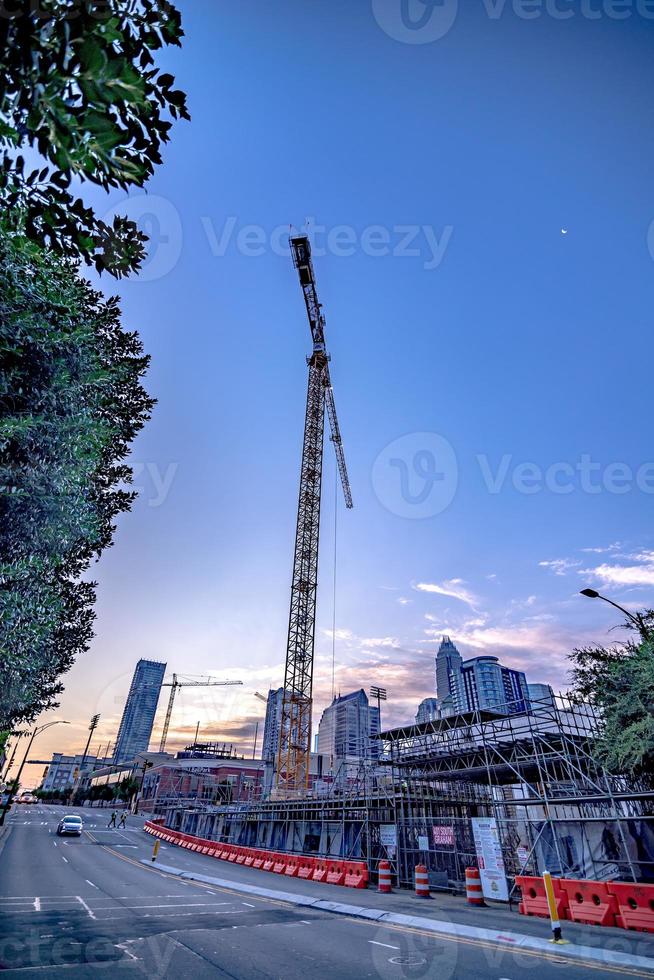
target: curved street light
<point>37,731</point>
<point>637,619</point>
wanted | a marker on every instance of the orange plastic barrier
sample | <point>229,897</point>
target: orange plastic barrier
<point>306,867</point>
<point>534,899</point>
<point>635,905</point>
<point>590,902</point>
<point>335,873</point>
<point>320,870</point>
<point>292,866</point>
<point>356,875</point>
<point>353,874</point>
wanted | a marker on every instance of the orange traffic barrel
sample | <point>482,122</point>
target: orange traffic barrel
<point>474,893</point>
<point>384,871</point>
<point>422,881</point>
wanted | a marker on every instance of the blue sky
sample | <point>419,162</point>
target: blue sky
<point>469,336</point>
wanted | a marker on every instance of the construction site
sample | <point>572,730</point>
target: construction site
<point>514,791</point>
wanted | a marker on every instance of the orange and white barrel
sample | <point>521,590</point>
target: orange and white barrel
<point>422,881</point>
<point>384,871</point>
<point>474,893</point>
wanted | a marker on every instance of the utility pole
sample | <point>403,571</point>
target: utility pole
<point>80,772</point>
<point>92,727</point>
<point>380,694</point>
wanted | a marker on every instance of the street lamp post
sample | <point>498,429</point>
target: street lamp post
<point>636,619</point>
<point>37,731</point>
<point>5,775</point>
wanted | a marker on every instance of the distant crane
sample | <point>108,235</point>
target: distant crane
<point>174,686</point>
<point>292,771</point>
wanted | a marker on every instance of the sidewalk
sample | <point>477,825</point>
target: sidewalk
<point>442,912</point>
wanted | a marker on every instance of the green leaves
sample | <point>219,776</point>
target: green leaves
<point>83,92</point>
<point>619,682</point>
<point>71,402</point>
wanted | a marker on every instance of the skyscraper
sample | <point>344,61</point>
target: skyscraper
<point>542,694</point>
<point>346,728</point>
<point>488,684</point>
<point>448,676</point>
<point>272,725</point>
<point>428,710</point>
<point>140,708</point>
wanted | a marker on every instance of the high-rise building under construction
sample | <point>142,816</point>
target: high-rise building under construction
<point>140,708</point>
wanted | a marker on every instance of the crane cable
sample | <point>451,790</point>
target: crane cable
<point>334,581</point>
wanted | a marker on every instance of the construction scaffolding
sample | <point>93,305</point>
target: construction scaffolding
<point>533,773</point>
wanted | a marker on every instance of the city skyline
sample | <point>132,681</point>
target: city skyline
<point>493,338</point>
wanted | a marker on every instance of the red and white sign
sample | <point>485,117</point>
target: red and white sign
<point>443,835</point>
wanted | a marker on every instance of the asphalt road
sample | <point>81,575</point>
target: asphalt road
<point>72,907</point>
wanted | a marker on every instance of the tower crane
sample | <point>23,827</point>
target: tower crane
<point>292,771</point>
<point>174,686</point>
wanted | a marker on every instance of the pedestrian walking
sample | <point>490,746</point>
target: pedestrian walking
<point>112,822</point>
<point>123,819</point>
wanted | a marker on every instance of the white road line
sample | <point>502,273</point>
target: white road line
<point>123,948</point>
<point>249,905</point>
<point>85,906</point>
<point>387,945</point>
<point>171,905</point>
<point>64,859</point>
<point>151,915</point>
<point>91,884</point>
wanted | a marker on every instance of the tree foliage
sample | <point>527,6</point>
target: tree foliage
<point>619,682</point>
<point>79,86</point>
<point>71,401</point>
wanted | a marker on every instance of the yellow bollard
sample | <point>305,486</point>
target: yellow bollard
<point>155,850</point>
<point>554,915</point>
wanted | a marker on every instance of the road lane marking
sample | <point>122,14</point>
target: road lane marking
<point>64,859</point>
<point>559,960</point>
<point>373,942</point>
<point>91,884</point>
<point>123,948</point>
<point>249,905</point>
<point>623,971</point>
<point>85,906</point>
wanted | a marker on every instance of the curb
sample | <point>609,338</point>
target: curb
<point>507,940</point>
